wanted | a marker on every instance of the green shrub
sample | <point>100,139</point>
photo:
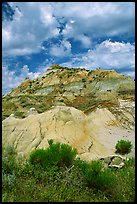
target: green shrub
<point>98,177</point>
<point>9,150</point>
<point>9,163</point>
<point>129,162</point>
<point>56,66</point>
<point>8,181</point>
<point>50,142</point>
<point>38,157</point>
<point>35,184</point>
<point>83,79</point>
<point>27,78</point>
<point>92,172</point>
<point>55,155</point>
<point>19,114</point>
<point>107,180</point>
<point>123,146</point>
<point>67,155</point>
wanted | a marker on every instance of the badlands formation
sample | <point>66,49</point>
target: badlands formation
<point>90,110</point>
<point>94,135</point>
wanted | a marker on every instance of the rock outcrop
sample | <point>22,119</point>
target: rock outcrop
<point>61,123</point>
<point>32,111</point>
<point>114,161</point>
<point>94,135</point>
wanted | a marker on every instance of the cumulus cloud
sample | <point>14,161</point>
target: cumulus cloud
<point>97,18</point>
<point>32,24</point>
<point>35,22</point>
<point>61,49</point>
<point>107,55</point>
<point>10,79</point>
<point>85,40</point>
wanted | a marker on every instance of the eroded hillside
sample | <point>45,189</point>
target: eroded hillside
<point>79,88</point>
<point>91,110</point>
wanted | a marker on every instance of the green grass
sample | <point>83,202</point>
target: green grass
<point>23,181</point>
<point>20,114</point>
<point>19,105</point>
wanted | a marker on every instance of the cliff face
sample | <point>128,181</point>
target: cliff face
<point>91,110</point>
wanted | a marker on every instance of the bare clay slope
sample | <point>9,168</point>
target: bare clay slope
<point>107,129</point>
<point>94,135</point>
<point>63,124</point>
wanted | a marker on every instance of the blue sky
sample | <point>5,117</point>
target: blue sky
<point>36,35</point>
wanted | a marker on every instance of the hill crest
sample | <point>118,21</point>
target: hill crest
<point>77,87</point>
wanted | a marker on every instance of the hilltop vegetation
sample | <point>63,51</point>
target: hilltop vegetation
<point>76,87</point>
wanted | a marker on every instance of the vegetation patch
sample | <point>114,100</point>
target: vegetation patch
<point>99,85</point>
<point>20,114</point>
<point>55,175</point>
<point>55,155</point>
<point>123,146</point>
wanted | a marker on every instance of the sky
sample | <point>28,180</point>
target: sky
<point>89,35</point>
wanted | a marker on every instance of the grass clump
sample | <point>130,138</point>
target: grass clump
<point>20,114</point>
<point>123,146</point>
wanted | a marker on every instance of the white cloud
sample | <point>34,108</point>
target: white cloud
<point>35,22</point>
<point>61,49</point>
<point>10,79</point>
<point>86,41</point>
<point>130,73</point>
<point>39,21</point>
<point>32,24</point>
<point>113,55</point>
<point>46,15</point>
<point>97,19</point>
<point>107,55</point>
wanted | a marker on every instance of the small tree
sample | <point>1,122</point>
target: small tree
<point>27,78</point>
<point>83,79</point>
<point>123,146</point>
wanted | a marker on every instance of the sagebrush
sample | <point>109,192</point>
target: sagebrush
<point>123,146</point>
